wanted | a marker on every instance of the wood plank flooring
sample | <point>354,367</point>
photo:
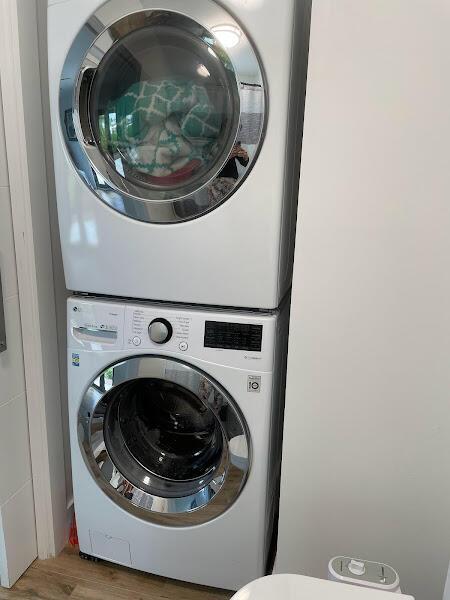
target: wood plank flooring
<point>69,577</point>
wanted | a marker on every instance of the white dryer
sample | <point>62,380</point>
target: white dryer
<point>176,132</point>
<point>175,423</point>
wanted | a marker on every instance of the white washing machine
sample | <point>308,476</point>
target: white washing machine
<point>176,130</point>
<point>175,421</point>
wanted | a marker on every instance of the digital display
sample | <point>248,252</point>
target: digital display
<point>233,336</point>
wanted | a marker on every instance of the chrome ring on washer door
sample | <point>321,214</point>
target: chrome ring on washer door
<point>158,435</point>
<point>162,116</point>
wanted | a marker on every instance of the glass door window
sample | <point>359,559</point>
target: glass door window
<point>158,436</point>
<point>162,110</point>
<point>166,440</point>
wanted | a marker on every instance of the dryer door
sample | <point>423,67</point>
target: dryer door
<point>164,440</point>
<point>162,113</point>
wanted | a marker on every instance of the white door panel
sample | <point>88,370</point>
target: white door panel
<point>17,521</point>
<point>15,470</point>
<point>18,541</point>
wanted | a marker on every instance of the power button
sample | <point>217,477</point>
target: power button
<point>136,341</point>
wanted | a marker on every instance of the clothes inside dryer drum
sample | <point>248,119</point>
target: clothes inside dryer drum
<point>163,106</point>
<point>162,437</point>
<point>165,127</point>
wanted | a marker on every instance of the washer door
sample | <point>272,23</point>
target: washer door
<point>162,117</point>
<point>164,440</point>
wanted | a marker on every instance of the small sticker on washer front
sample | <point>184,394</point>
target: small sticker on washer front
<point>75,360</point>
<point>254,383</point>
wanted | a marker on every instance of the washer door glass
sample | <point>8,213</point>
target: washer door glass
<point>164,440</point>
<point>163,437</point>
<point>163,109</point>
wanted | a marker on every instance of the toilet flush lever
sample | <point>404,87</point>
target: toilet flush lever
<point>3,344</point>
<point>357,567</point>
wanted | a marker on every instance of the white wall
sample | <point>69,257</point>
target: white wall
<point>366,467</point>
<point>18,546</point>
<point>61,294</point>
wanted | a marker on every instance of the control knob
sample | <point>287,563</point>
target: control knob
<point>160,331</point>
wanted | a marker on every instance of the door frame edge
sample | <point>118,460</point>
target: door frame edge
<point>19,74</point>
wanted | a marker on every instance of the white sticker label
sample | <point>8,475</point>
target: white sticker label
<point>254,384</point>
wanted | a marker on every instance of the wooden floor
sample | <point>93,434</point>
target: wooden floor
<point>70,577</point>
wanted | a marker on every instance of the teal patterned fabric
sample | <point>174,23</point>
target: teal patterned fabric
<point>162,126</point>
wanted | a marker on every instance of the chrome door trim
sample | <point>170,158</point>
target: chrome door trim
<point>209,502</point>
<point>90,46</point>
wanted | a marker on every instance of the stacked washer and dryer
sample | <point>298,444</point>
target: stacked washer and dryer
<point>176,132</point>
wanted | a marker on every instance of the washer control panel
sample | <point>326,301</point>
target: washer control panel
<point>147,328</point>
<point>234,339</point>
<point>228,338</point>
